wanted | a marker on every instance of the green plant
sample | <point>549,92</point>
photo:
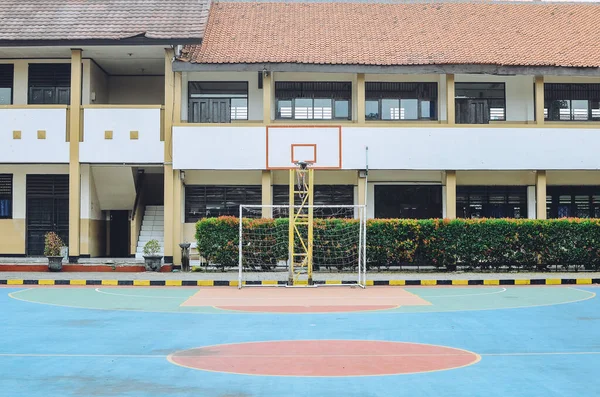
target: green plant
<point>53,244</point>
<point>151,248</point>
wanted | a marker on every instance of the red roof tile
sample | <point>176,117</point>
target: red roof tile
<point>516,34</point>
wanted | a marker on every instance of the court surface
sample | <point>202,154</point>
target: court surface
<point>273,342</point>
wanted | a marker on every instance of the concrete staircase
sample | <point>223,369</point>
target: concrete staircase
<point>153,228</point>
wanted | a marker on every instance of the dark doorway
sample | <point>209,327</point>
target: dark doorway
<point>119,234</point>
<point>408,201</point>
<point>472,111</point>
<point>47,210</point>
<point>210,110</point>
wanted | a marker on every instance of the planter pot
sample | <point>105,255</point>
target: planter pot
<point>55,263</point>
<point>153,263</point>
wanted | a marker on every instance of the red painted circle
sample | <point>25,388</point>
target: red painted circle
<point>307,309</point>
<point>328,358</point>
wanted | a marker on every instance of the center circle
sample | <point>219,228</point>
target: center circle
<point>324,358</point>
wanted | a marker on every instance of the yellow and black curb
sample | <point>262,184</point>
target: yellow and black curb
<point>234,283</point>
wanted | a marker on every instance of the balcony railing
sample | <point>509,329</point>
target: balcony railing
<point>122,134</point>
<point>33,134</point>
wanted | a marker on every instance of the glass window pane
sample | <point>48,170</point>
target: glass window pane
<point>559,110</point>
<point>595,105</point>
<point>284,109</point>
<point>409,109</point>
<point>322,109</point>
<point>342,109</point>
<point>5,96</point>
<point>239,109</point>
<point>390,109</point>
<point>426,108</point>
<point>579,110</point>
<point>303,108</point>
<point>372,110</point>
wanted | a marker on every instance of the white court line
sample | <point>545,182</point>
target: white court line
<point>454,296</point>
<point>142,296</point>
<point>300,355</point>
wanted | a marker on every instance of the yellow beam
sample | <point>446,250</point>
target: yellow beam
<point>539,100</point>
<point>540,194</point>
<point>74,166</point>
<point>267,96</point>
<point>451,194</point>
<point>450,98</point>
<point>267,193</point>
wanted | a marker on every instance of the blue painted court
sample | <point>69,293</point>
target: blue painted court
<point>124,341</point>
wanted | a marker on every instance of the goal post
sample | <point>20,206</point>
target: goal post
<point>281,251</point>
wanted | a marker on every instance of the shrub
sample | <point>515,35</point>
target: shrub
<point>475,244</point>
<point>151,248</point>
<point>53,244</point>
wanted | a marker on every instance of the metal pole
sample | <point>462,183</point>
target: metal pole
<point>360,226</point>
<point>365,215</point>
<point>291,236</point>
<point>240,265</point>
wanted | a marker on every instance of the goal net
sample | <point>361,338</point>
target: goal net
<point>333,254</point>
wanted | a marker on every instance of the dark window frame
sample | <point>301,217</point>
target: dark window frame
<point>554,193</point>
<point>190,99</point>
<point>464,207</point>
<point>58,87</point>
<point>338,194</point>
<point>299,93</point>
<point>10,71</point>
<point>570,89</point>
<point>428,197</point>
<point>372,95</point>
<point>7,194</point>
<point>482,98</point>
<point>197,195</point>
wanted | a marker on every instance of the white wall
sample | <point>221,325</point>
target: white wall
<point>435,148</point>
<point>98,85</point>
<point>30,149</point>
<point>148,148</point>
<point>136,90</point>
<point>255,95</point>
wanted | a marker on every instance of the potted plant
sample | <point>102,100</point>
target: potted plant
<point>52,247</point>
<point>151,256</point>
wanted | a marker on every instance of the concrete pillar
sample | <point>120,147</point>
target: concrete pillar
<point>540,194</point>
<point>539,102</point>
<point>267,193</point>
<point>451,194</point>
<point>169,175</point>
<point>450,100</point>
<point>74,166</point>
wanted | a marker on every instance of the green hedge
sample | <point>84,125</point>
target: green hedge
<point>471,244</point>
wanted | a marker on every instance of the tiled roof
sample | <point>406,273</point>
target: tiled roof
<point>514,34</point>
<point>102,19</point>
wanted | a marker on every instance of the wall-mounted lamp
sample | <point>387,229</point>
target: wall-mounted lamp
<point>182,175</point>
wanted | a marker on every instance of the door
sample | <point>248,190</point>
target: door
<point>206,110</point>
<point>119,234</point>
<point>472,111</point>
<point>47,203</point>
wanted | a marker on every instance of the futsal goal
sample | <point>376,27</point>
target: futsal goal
<point>302,245</point>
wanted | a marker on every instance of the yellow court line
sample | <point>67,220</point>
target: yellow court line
<point>141,282</point>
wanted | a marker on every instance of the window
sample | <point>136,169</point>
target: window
<point>217,102</point>
<point>313,100</point>
<point>400,101</point>
<point>572,102</point>
<point>480,103</point>
<point>6,196</point>
<point>49,83</point>
<point>408,201</point>
<point>6,83</point>
<point>491,201</point>
<point>323,195</point>
<point>207,201</point>
<point>573,202</point>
